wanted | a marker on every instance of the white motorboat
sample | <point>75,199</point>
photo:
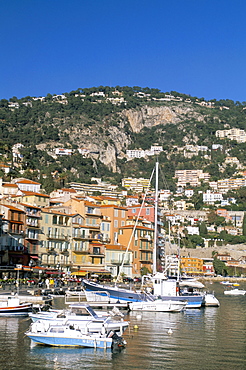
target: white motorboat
<point>73,336</point>
<point>158,306</point>
<point>235,292</point>
<point>82,315</point>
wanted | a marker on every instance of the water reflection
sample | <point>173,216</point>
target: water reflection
<point>210,338</point>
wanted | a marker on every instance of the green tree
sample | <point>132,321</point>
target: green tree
<point>220,267</point>
<point>203,229</point>
<point>244,224</point>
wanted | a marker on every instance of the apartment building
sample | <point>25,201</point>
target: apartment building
<point>191,266</point>
<point>141,244</point>
<point>211,197</point>
<point>32,198</point>
<point>13,235</point>
<point>230,184</point>
<point>232,134</point>
<point>137,185</point>
<point>117,215</point>
<point>118,259</point>
<point>191,177</point>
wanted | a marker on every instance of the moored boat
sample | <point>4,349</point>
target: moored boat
<point>81,315</point>
<point>235,292</point>
<point>72,336</point>
<point>13,307</point>
<point>158,306</point>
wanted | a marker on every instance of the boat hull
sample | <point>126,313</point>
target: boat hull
<point>97,292</point>
<point>20,310</point>
<point>64,341</point>
<point>158,306</point>
<point>235,292</point>
<point>193,301</point>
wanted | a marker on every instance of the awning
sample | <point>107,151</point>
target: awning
<point>84,272</point>
<point>54,273</point>
<point>79,273</point>
<point>34,257</point>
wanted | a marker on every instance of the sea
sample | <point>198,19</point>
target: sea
<point>209,338</point>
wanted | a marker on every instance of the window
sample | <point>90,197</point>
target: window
<point>96,250</point>
<point>147,211</point>
<point>115,223</point>
<point>116,213</point>
<point>123,214</point>
<point>55,220</point>
<point>134,210</point>
<point>46,219</point>
<point>122,223</point>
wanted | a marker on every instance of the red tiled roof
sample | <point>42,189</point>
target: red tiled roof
<point>11,207</point>
<point>10,185</point>
<point>27,193</point>
<point>26,181</point>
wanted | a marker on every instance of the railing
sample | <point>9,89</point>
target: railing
<point>118,262</point>
<point>56,236</point>
<point>32,223</point>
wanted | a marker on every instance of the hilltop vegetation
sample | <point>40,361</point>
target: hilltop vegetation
<point>97,119</point>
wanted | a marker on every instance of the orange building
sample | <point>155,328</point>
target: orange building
<point>141,244</point>
<point>118,216</point>
<point>191,265</point>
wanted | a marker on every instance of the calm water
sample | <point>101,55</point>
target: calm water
<point>211,338</point>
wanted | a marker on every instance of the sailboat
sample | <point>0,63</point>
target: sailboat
<point>164,289</point>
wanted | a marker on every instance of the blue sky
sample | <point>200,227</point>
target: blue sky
<point>195,47</point>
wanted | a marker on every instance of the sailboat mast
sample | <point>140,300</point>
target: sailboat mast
<point>156,211</point>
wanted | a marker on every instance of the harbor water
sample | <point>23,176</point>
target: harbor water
<point>209,338</point>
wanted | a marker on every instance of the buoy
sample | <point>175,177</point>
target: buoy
<point>135,327</point>
<point>138,317</point>
<point>170,331</point>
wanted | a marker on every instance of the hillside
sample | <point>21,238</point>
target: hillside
<point>107,121</point>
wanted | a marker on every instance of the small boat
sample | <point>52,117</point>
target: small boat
<point>226,282</point>
<point>13,307</point>
<point>81,315</point>
<point>72,336</point>
<point>235,292</point>
<point>210,300</point>
<point>158,306</point>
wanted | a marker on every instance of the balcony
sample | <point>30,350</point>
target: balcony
<point>146,237</point>
<point>51,251</point>
<point>118,262</point>
<point>145,260</point>
<point>65,252</point>
<point>82,251</point>
<point>93,212</point>
<point>31,236</point>
<point>56,236</point>
<point>17,232</point>
<point>149,249</point>
<point>82,237</point>
<point>31,214</point>
<point>94,254</point>
<point>91,225</point>
<point>32,223</point>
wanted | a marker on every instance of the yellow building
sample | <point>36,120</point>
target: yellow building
<point>191,266</point>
